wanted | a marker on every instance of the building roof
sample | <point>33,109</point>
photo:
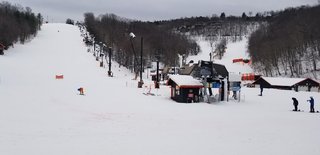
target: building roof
<point>220,69</point>
<point>170,70</point>
<point>185,81</point>
<point>282,81</point>
<point>186,70</point>
<point>217,70</point>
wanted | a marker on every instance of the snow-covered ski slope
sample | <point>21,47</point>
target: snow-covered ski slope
<point>40,115</point>
<point>234,51</point>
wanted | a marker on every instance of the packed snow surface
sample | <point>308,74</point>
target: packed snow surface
<point>236,50</point>
<point>41,115</point>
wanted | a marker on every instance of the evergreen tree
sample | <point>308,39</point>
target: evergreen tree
<point>223,16</point>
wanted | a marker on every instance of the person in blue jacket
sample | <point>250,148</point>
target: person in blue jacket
<point>311,104</point>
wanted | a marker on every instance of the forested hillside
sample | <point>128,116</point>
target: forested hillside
<point>288,44</point>
<point>233,28</point>
<point>114,32</point>
<point>17,24</point>
<point>218,31</point>
<point>169,38</point>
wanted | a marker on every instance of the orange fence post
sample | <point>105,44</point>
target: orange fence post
<point>59,76</point>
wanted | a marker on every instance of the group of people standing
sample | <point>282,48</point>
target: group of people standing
<point>296,103</point>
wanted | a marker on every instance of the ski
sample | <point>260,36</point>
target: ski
<point>297,110</point>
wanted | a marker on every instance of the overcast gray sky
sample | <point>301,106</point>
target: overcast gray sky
<point>60,10</point>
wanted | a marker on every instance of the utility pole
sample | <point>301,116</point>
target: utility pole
<point>109,72</point>
<point>132,36</point>
<point>157,76</point>
<point>140,83</point>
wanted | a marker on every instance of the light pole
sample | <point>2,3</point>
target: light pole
<point>132,36</point>
<point>140,83</point>
<point>157,76</point>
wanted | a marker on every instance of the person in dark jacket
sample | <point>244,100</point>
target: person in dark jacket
<point>311,104</point>
<point>261,90</point>
<point>295,104</point>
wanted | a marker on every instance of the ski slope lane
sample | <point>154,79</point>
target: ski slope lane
<point>234,50</point>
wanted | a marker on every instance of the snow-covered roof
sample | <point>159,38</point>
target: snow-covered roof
<point>185,81</point>
<point>282,81</point>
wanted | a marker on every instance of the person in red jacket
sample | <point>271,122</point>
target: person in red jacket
<point>81,90</point>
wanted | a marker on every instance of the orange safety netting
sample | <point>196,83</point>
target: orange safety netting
<point>59,76</point>
<point>247,77</point>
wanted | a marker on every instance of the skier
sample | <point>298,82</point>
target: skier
<point>234,94</point>
<point>295,104</point>
<point>295,87</point>
<point>261,90</point>
<point>81,91</point>
<point>311,104</point>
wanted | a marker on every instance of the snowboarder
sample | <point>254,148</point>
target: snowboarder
<point>295,104</point>
<point>311,104</point>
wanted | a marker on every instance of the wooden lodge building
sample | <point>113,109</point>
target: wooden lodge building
<point>297,84</point>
